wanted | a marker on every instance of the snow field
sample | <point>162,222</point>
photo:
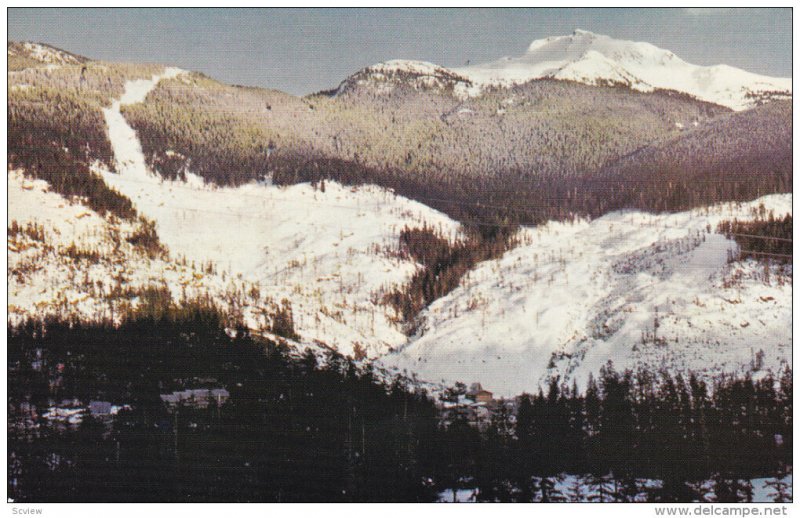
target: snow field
<point>44,280</point>
<point>595,59</point>
<point>329,253</point>
<point>638,289</point>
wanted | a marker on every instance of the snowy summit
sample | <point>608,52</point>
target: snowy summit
<point>420,75</point>
<point>42,53</point>
<point>594,59</point>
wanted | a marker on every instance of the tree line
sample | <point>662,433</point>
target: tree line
<point>319,427</point>
<point>628,427</point>
<point>544,150</point>
<point>443,264</point>
<point>765,238</point>
<point>56,129</point>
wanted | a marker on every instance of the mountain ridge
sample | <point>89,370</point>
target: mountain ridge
<point>27,53</point>
<point>494,164</point>
<point>588,58</point>
<point>583,56</point>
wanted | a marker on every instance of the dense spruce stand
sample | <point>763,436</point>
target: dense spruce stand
<point>324,429</point>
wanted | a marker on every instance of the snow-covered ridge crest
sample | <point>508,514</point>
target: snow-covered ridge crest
<point>385,76</point>
<point>421,68</point>
<point>589,58</point>
<point>592,58</point>
<point>43,53</point>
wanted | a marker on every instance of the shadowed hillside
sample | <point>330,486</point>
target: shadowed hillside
<point>740,156</point>
<point>55,121</point>
<point>505,157</point>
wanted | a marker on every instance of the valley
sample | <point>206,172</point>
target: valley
<point>642,290</point>
<point>564,276</point>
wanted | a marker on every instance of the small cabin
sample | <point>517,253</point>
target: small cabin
<point>478,394</point>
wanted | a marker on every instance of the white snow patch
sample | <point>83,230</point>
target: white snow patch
<point>50,55</point>
<point>635,288</point>
<point>764,493</point>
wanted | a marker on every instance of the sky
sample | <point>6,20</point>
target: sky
<point>306,50</point>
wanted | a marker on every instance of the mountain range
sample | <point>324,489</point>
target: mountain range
<point>502,222</point>
<point>593,59</point>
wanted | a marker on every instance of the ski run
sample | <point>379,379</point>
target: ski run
<point>639,289</point>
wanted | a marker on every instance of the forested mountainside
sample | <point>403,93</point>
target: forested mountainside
<point>508,148</point>
<point>510,156</point>
<point>162,149</point>
<point>56,129</point>
<point>516,154</point>
<point>297,428</point>
<point>739,156</point>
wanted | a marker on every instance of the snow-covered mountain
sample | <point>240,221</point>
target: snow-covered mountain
<point>588,58</point>
<point>42,53</point>
<point>329,251</point>
<point>642,290</point>
<point>420,75</point>
<point>597,59</point>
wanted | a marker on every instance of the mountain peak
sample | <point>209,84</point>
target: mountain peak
<point>584,57</point>
<point>594,59</point>
<point>27,52</point>
<point>421,75</point>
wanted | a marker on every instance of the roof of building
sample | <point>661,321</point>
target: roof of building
<point>202,394</point>
<point>100,407</point>
<point>476,389</point>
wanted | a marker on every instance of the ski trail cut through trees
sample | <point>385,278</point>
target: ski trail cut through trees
<point>127,148</point>
<point>328,253</point>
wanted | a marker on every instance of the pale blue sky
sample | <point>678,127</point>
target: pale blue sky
<point>305,50</point>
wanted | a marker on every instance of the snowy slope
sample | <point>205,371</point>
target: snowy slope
<point>573,296</point>
<point>45,278</point>
<point>576,295</point>
<point>329,253</point>
<point>43,53</point>
<point>596,59</point>
<point>421,75</point>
